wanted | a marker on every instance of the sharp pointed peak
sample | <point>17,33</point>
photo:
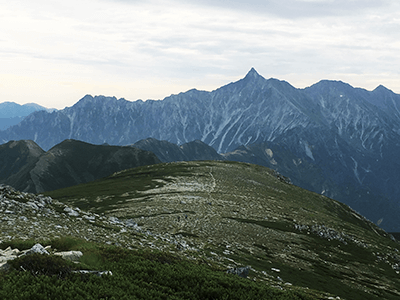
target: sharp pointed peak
<point>252,73</point>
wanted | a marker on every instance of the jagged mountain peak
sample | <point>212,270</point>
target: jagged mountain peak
<point>90,100</point>
<point>253,74</point>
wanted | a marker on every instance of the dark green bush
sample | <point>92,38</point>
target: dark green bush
<point>19,244</point>
<point>41,264</point>
<point>66,243</point>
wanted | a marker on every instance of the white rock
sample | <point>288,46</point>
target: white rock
<point>98,273</point>
<point>32,205</point>
<point>70,255</point>
<point>71,212</point>
<point>37,249</point>
<point>275,270</point>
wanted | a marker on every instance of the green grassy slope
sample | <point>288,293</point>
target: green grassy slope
<point>237,214</point>
<point>135,275</point>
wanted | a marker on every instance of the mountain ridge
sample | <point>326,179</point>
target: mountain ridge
<point>66,164</point>
<point>12,113</point>
<point>330,124</point>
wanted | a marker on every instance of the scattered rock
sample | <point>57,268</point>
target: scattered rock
<point>73,256</point>
<point>98,273</point>
<point>275,270</point>
<point>282,178</point>
<point>32,205</point>
<point>114,220</point>
<point>241,272</point>
<point>71,212</point>
<point>38,248</point>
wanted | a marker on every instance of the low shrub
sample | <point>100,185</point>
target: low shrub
<point>41,264</point>
<point>140,274</point>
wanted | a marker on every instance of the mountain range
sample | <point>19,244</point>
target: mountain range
<point>12,113</point>
<point>348,138</point>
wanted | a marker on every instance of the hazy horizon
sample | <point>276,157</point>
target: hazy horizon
<point>54,53</point>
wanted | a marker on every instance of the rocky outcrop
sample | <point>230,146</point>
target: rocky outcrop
<point>240,271</point>
<point>74,256</point>
<point>11,254</point>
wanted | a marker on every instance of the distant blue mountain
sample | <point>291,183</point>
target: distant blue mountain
<point>12,113</point>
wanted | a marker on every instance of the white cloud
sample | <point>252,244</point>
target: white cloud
<point>149,49</point>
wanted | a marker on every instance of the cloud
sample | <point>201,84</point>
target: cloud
<point>202,44</point>
<point>294,9</point>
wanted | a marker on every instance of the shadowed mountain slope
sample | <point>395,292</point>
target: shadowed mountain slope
<point>169,152</point>
<point>17,155</point>
<point>68,163</point>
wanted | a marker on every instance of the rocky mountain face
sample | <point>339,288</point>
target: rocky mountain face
<point>28,168</point>
<point>251,110</point>
<point>350,135</point>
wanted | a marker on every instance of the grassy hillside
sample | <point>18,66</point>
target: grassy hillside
<point>131,275</point>
<point>237,214</point>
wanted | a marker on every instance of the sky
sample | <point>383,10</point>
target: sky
<point>55,52</point>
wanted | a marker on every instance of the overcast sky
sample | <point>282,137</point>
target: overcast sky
<point>55,52</point>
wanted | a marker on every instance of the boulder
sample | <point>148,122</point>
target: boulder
<point>73,256</point>
<point>8,254</point>
<point>38,248</point>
